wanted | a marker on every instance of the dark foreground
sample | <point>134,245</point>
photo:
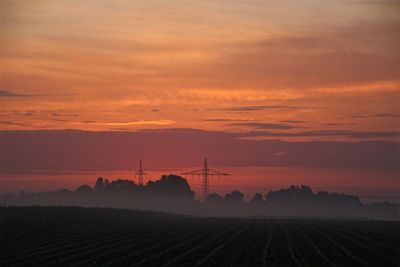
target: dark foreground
<point>45,236</point>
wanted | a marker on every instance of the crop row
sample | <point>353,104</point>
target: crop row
<point>191,241</point>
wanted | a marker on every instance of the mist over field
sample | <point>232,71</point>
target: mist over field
<point>173,194</point>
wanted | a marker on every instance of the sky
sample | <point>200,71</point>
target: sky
<point>297,72</point>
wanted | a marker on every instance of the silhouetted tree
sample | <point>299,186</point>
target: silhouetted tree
<point>303,195</point>
<point>305,189</point>
<point>234,196</point>
<point>121,185</point>
<point>171,185</point>
<point>99,185</point>
<point>214,198</point>
<point>257,199</point>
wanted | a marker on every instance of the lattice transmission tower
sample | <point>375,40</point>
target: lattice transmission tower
<point>140,173</point>
<point>206,173</point>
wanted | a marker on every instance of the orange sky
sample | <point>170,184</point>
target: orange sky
<point>246,65</point>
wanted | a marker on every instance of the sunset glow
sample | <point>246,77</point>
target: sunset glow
<point>139,64</point>
<point>230,73</point>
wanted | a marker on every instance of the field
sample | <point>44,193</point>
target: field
<point>46,236</point>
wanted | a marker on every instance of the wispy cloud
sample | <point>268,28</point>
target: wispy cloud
<point>256,108</point>
<point>387,115</point>
<point>356,116</point>
<point>377,115</point>
<point>259,125</point>
<point>13,123</point>
<point>128,123</point>
<point>327,133</point>
<point>294,121</point>
<point>339,123</point>
<point>8,93</point>
<point>5,93</point>
<point>225,120</point>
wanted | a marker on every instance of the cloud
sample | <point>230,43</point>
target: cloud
<point>61,113</point>
<point>7,93</point>
<point>120,129</point>
<point>218,120</point>
<point>225,120</point>
<point>327,133</point>
<point>13,123</point>
<point>256,108</point>
<point>60,120</point>
<point>80,150</point>
<point>381,134</point>
<point>356,116</point>
<point>4,93</point>
<point>128,123</point>
<point>259,125</point>
<point>377,115</point>
<point>339,123</point>
<point>387,115</point>
<point>31,112</point>
<point>321,60</point>
<point>294,121</point>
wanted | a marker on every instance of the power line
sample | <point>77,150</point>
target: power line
<point>206,173</point>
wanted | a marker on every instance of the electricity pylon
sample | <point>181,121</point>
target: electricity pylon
<point>206,173</point>
<point>140,173</point>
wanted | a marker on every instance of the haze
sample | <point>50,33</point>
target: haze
<point>304,85</point>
